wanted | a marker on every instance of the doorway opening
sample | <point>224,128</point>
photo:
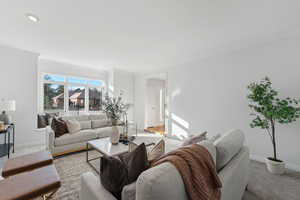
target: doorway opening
<point>155,107</point>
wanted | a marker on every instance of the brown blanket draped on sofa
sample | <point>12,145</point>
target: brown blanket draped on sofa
<point>198,171</point>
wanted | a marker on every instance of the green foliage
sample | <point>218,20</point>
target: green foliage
<point>267,106</point>
<point>268,109</point>
<point>114,107</point>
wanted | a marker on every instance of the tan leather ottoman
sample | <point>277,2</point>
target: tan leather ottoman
<point>26,163</point>
<point>32,184</point>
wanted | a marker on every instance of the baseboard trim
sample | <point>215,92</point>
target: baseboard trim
<point>290,166</point>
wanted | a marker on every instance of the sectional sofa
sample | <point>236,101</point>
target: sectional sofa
<point>164,181</point>
<point>92,127</point>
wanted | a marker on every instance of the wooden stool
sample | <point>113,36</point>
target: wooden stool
<point>26,163</point>
<point>32,184</point>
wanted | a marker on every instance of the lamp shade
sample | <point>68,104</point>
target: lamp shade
<point>7,105</point>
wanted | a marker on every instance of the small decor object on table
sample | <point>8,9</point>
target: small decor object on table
<point>6,105</point>
<point>269,110</point>
<point>114,109</point>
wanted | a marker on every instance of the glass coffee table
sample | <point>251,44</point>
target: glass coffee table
<point>103,146</point>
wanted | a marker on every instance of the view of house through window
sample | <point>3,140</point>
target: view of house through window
<point>53,97</point>
<point>63,93</point>
<point>76,98</point>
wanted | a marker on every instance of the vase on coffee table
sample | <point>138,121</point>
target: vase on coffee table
<point>115,135</point>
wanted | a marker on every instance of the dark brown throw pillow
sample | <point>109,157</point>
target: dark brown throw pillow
<point>116,172</point>
<point>42,122</point>
<point>136,162</point>
<point>59,127</point>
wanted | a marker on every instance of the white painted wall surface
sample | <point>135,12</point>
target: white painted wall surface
<point>124,82</point>
<point>211,95</point>
<point>19,82</point>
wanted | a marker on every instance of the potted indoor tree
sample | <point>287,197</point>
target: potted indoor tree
<point>114,109</point>
<point>268,110</point>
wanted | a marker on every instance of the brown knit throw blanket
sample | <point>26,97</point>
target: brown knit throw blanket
<point>198,171</point>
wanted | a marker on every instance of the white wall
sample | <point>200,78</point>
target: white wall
<point>211,95</point>
<point>124,82</point>
<point>19,82</point>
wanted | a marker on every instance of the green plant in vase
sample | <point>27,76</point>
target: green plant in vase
<point>268,110</point>
<point>114,109</point>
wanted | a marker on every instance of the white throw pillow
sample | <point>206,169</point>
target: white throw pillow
<point>73,126</point>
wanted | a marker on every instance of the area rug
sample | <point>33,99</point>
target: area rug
<point>262,185</point>
<point>70,169</point>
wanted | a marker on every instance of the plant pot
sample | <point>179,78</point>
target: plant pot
<point>115,135</point>
<point>275,166</point>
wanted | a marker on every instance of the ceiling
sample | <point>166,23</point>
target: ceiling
<point>143,35</point>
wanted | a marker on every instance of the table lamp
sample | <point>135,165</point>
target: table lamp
<point>6,105</point>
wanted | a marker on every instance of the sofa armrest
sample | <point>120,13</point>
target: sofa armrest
<point>92,189</point>
<point>50,138</point>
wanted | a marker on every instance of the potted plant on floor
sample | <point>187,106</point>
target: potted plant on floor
<point>114,109</point>
<point>269,110</point>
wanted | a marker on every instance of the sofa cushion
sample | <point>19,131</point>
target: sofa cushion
<point>227,146</point>
<point>81,136</point>
<point>99,123</point>
<point>103,132</point>
<point>98,117</point>
<point>73,126</point>
<point>210,147</point>
<point>85,125</point>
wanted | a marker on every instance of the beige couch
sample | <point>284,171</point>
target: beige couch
<point>92,127</point>
<point>164,181</point>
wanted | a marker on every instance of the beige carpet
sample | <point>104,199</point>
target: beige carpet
<point>261,183</point>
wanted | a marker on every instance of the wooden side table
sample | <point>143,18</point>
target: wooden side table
<point>9,142</point>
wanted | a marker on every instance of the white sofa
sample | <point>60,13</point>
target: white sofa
<point>92,127</point>
<point>164,181</point>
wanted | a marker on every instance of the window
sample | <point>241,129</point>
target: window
<point>95,99</point>
<point>53,97</point>
<point>63,93</point>
<point>76,98</point>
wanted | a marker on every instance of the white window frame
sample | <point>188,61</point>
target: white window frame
<point>66,85</point>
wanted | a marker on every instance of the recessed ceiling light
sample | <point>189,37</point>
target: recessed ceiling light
<point>32,17</point>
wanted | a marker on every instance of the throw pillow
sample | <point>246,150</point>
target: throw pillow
<point>113,175</point>
<point>59,127</point>
<point>85,125</point>
<point>193,139</point>
<point>157,151</point>
<point>154,153</point>
<point>42,122</point>
<point>73,126</point>
<point>116,172</point>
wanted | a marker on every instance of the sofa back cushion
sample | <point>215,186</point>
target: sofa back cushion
<point>97,117</point>
<point>77,118</point>
<point>73,126</point>
<point>85,125</point>
<point>227,146</point>
<point>99,123</point>
<point>210,147</point>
